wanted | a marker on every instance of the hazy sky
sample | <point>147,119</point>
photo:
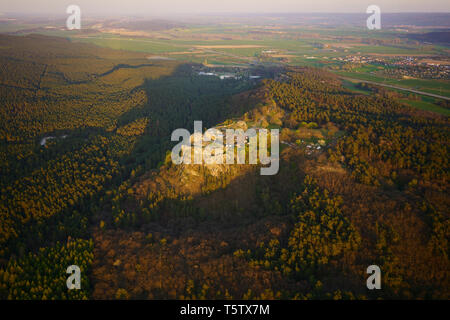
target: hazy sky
<point>165,7</point>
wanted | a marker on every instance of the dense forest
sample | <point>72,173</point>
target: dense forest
<point>86,179</point>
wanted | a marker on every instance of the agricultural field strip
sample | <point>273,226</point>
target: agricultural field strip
<point>399,88</point>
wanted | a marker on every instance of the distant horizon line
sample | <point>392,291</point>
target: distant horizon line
<point>3,13</point>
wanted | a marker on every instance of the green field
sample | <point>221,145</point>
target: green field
<point>438,87</point>
<point>425,105</point>
<point>352,86</point>
<point>131,44</point>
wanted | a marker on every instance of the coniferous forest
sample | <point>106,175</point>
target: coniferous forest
<point>86,179</point>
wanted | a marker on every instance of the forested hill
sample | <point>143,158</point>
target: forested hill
<point>76,121</point>
<point>363,180</point>
<point>375,193</point>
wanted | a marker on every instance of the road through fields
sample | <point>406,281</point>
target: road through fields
<point>399,88</point>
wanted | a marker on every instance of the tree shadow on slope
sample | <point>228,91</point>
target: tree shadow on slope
<point>176,101</point>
